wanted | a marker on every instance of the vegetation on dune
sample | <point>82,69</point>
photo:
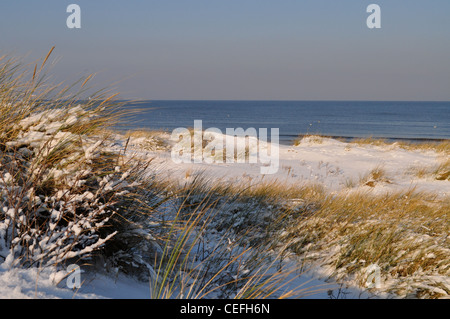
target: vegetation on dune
<point>67,195</point>
<point>442,147</point>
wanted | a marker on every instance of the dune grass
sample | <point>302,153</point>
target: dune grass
<point>437,146</point>
<point>442,147</point>
<point>440,172</point>
<point>58,185</point>
<point>66,197</point>
<point>148,139</point>
<point>404,234</point>
<point>311,138</point>
<point>375,176</point>
<point>198,265</point>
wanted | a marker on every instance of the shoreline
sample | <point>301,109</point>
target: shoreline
<point>338,119</point>
<point>290,139</point>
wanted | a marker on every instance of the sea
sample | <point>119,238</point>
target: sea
<point>396,120</point>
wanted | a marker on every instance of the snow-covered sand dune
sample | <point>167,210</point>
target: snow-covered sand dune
<point>337,165</point>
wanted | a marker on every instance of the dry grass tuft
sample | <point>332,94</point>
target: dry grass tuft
<point>438,146</point>
<point>309,138</point>
<point>149,139</point>
<point>442,147</point>
<point>440,172</point>
<point>375,176</point>
<point>405,234</point>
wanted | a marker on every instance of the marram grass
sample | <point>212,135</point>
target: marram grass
<point>200,240</point>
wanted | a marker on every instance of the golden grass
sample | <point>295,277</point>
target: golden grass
<point>312,138</point>
<point>406,234</point>
<point>266,191</point>
<point>370,141</point>
<point>403,233</point>
<point>227,268</point>
<point>151,140</point>
<point>440,172</point>
<point>376,175</point>
<point>441,147</point>
<point>145,133</point>
<point>438,146</point>
<point>24,93</point>
<point>71,129</point>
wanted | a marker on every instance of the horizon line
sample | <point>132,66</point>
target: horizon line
<point>282,100</point>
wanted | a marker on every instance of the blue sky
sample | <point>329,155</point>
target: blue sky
<point>241,49</point>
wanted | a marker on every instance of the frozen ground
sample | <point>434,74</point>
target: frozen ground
<point>336,165</point>
<point>42,284</point>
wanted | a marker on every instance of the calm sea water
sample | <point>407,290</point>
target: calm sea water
<point>352,119</point>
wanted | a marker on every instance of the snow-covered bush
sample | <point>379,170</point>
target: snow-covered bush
<point>60,187</point>
<point>56,193</point>
<point>69,192</point>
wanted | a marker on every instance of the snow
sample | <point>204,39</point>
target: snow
<point>337,166</point>
<point>47,283</point>
<point>330,163</point>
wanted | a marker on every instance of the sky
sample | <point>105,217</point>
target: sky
<point>240,49</point>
